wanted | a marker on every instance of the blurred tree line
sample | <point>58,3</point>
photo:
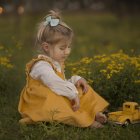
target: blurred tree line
<point>119,7</point>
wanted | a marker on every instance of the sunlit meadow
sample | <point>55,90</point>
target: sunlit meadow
<point>106,52</point>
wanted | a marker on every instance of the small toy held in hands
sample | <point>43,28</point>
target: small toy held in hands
<point>129,114</point>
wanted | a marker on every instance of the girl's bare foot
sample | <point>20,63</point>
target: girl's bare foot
<point>25,121</point>
<point>100,117</point>
<point>96,125</point>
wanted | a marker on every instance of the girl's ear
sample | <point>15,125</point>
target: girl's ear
<point>45,46</point>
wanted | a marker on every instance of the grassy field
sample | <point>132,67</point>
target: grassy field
<point>95,34</point>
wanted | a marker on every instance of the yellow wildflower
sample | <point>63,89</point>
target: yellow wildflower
<point>4,61</point>
<point>108,76</point>
<point>103,71</point>
<point>137,81</point>
<point>1,47</point>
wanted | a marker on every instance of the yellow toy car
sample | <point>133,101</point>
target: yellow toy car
<point>129,114</point>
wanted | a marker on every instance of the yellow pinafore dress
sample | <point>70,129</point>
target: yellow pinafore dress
<point>39,103</point>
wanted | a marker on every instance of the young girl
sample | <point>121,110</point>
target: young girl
<point>47,95</point>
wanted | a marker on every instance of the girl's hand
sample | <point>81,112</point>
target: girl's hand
<point>82,83</point>
<point>75,104</point>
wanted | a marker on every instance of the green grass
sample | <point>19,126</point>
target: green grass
<point>94,34</point>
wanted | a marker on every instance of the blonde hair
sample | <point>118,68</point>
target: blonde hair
<point>53,34</point>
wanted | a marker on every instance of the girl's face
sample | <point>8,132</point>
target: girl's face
<point>60,51</point>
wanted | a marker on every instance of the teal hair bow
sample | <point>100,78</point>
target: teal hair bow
<point>51,21</point>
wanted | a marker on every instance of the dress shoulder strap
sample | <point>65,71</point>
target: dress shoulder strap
<point>30,64</point>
